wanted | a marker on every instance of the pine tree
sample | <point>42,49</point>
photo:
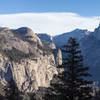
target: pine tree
<point>71,84</point>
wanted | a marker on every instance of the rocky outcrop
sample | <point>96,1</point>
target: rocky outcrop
<point>58,57</point>
<point>26,59</point>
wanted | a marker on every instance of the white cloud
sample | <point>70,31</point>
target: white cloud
<point>51,23</point>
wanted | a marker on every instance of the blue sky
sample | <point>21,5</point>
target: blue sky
<point>82,7</point>
<point>50,16</point>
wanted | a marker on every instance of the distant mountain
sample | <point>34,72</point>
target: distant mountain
<point>90,46</point>
<point>47,39</point>
<point>62,39</point>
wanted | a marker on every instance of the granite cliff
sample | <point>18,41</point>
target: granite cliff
<point>26,59</point>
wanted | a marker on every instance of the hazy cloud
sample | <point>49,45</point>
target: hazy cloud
<point>51,23</point>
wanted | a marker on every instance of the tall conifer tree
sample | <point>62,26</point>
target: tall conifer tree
<point>71,84</point>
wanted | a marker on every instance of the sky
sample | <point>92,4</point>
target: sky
<point>50,16</point>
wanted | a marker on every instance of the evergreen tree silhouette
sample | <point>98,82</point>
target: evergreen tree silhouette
<point>71,84</point>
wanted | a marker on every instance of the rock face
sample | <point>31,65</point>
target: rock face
<point>26,59</point>
<point>58,57</point>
